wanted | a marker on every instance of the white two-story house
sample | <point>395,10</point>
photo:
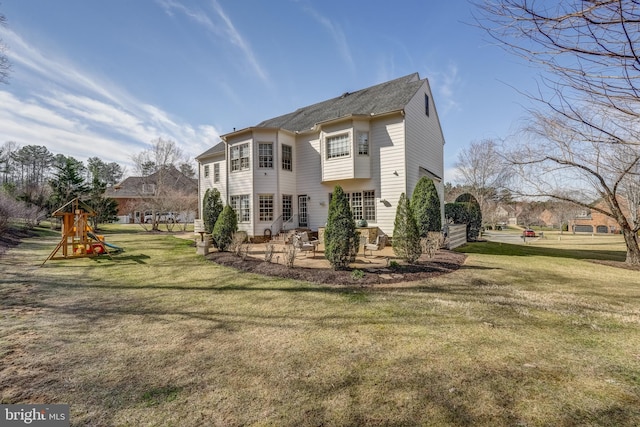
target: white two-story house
<point>375,143</point>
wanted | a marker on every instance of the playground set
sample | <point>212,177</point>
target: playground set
<point>78,238</point>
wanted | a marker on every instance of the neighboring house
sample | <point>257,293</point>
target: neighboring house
<point>506,215</point>
<point>137,195</point>
<point>375,143</point>
<point>592,221</point>
<point>549,218</point>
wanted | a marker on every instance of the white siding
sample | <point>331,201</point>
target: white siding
<point>265,180</point>
<point>241,182</point>
<point>308,178</point>
<point>425,141</point>
<point>337,168</point>
<point>387,144</point>
<point>207,183</point>
<point>287,182</point>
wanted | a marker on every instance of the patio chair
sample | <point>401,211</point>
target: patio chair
<point>302,242</point>
<point>378,245</point>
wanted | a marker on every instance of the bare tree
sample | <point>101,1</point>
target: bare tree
<point>484,173</point>
<point>585,144</point>
<point>163,153</point>
<point>161,180</point>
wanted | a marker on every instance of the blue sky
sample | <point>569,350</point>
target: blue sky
<point>105,78</point>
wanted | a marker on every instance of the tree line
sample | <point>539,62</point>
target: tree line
<point>35,182</point>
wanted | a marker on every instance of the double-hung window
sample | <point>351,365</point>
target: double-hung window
<point>363,143</point>
<point>240,205</point>
<point>216,173</point>
<point>338,146</point>
<point>265,155</point>
<point>369,205</point>
<point>287,158</point>
<point>239,157</point>
<point>206,171</point>
<point>362,204</point>
<point>266,207</point>
<point>287,207</point>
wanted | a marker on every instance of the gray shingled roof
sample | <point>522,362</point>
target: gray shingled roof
<point>132,186</point>
<point>382,98</point>
<point>216,149</point>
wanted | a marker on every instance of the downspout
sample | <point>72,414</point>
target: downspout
<point>200,195</point>
<point>277,166</point>
<point>227,171</point>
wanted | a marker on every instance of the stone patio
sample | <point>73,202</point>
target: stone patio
<point>379,259</point>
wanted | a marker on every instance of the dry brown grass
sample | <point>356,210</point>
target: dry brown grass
<point>160,336</point>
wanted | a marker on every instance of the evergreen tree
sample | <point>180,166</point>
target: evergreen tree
<point>340,236</point>
<point>211,208</point>
<point>225,226</point>
<point>106,209</point>
<point>68,182</point>
<point>472,215</point>
<point>406,237</point>
<point>425,203</point>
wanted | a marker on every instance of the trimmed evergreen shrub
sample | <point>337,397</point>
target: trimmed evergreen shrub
<point>211,208</point>
<point>225,227</point>
<point>340,235</point>
<point>473,215</point>
<point>467,198</point>
<point>406,237</point>
<point>425,203</point>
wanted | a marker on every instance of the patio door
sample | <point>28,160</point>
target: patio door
<point>302,210</point>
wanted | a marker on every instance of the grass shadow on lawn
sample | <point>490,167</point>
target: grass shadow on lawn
<point>506,249</point>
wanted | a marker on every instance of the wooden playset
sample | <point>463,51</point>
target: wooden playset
<point>78,239</point>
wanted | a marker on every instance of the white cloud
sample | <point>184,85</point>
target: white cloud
<point>226,30</point>
<point>447,85</point>
<point>335,31</point>
<point>74,113</point>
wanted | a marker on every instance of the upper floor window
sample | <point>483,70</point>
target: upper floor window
<point>287,157</point>
<point>426,104</point>
<point>148,188</point>
<point>363,143</point>
<point>338,146</point>
<point>216,173</point>
<point>265,155</point>
<point>239,157</point>
<point>206,171</point>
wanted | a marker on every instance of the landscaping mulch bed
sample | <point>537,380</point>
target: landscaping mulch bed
<point>443,262</point>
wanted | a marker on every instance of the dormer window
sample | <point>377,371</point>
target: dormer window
<point>148,188</point>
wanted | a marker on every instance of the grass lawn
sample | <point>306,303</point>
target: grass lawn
<point>521,335</point>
